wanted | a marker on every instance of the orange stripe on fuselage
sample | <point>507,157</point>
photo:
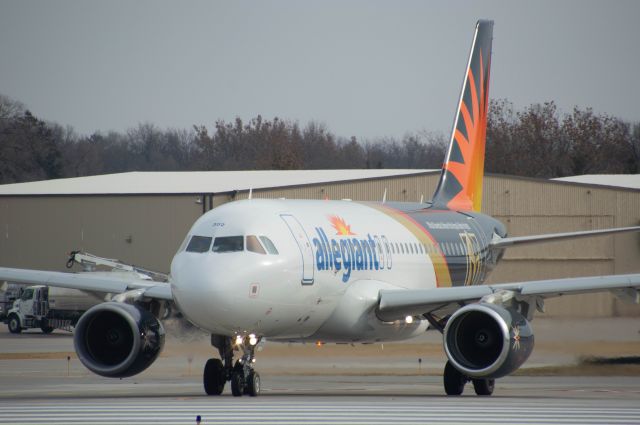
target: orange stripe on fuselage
<point>439,261</point>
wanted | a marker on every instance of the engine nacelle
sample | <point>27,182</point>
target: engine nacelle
<point>487,341</point>
<point>118,340</point>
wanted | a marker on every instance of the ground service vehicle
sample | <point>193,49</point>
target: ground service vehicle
<point>48,308</point>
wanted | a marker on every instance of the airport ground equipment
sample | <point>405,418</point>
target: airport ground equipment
<point>90,263</point>
<point>49,308</point>
<point>9,292</point>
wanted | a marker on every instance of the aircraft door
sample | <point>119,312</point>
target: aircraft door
<point>304,244</point>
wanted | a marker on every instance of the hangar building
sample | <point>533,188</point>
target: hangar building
<point>142,217</point>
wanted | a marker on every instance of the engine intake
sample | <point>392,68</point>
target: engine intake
<point>487,341</point>
<point>118,340</point>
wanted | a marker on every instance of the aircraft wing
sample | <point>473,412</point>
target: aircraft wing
<point>398,304</point>
<point>107,282</point>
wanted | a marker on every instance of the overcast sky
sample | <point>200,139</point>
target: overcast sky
<point>364,68</point>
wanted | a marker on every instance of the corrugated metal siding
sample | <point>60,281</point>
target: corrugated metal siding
<point>535,207</point>
<point>39,232</point>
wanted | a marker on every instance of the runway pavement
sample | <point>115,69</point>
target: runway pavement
<point>355,408</point>
<point>322,400</point>
<point>329,385</point>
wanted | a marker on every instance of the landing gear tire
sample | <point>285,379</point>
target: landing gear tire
<point>46,329</point>
<point>454,380</point>
<point>253,384</point>
<point>484,387</point>
<point>14,324</point>
<point>213,377</point>
<point>237,383</point>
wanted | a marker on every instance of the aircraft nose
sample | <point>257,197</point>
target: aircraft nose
<point>202,288</point>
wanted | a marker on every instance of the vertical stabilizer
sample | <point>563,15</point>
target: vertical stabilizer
<point>460,185</point>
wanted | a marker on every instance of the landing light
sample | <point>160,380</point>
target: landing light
<point>252,339</point>
<point>239,339</point>
<point>408,320</point>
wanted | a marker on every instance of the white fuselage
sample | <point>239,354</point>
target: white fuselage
<point>322,284</point>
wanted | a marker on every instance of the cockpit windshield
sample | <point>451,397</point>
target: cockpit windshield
<point>199,244</point>
<point>228,244</point>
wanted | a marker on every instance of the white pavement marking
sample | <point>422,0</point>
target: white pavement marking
<point>265,412</point>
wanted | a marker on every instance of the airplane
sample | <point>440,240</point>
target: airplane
<point>340,272</point>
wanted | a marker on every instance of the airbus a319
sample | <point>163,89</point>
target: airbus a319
<point>340,271</point>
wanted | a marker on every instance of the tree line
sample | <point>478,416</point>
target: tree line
<point>538,141</point>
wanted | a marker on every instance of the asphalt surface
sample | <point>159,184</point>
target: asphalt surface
<point>320,385</point>
<point>324,400</point>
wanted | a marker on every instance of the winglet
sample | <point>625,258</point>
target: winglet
<point>460,185</point>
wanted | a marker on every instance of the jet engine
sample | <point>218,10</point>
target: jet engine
<point>487,340</point>
<point>118,340</point>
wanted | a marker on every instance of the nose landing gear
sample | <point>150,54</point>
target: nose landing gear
<point>244,379</point>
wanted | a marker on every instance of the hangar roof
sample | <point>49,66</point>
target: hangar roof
<point>630,181</point>
<point>181,182</point>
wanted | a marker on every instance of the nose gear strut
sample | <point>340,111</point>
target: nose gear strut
<point>244,379</point>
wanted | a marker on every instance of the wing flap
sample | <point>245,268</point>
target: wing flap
<point>397,304</point>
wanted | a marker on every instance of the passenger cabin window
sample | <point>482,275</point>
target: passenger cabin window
<point>228,244</point>
<point>271,248</point>
<point>253,245</point>
<point>199,244</point>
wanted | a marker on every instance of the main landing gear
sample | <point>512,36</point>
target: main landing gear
<point>244,379</point>
<point>454,382</point>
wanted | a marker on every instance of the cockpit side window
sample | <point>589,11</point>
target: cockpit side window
<point>228,244</point>
<point>253,245</point>
<point>199,244</point>
<point>271,248</point>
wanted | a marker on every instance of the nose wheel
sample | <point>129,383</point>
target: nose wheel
<point>245,382</point>
<point>244,379</point>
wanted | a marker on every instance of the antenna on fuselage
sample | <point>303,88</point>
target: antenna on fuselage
<point>422,198</point>
<point>250,193</point>
<point>384,196</point>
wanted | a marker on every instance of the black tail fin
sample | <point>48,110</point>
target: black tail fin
<point>460,185</point>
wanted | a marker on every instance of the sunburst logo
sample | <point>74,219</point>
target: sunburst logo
<point>341,226</point>
<point>516,337</point>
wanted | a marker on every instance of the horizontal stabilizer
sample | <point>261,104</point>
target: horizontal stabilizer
<point>551,237</point>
